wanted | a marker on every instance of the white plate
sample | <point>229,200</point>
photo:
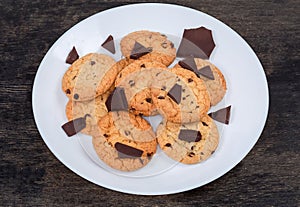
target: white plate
<point>247,93</point>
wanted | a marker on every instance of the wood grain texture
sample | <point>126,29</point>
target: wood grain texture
<point>30,175</point>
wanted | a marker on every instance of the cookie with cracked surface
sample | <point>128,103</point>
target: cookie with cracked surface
<point>156,46</point>
<point>95,108</point>
<point>189,143</point>
<point>177,94</point>
<point>210,74</point>
<point>141,103</point>
<point>89,76</point>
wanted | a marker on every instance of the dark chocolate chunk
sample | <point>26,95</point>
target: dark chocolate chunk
<point>126,151</point>
<point>74,126</point>
<point>149,154</point>
<point>93,62</point>
<point>191,154</point>
<point>143,66</point>
<point>131,83</point>
<point>222,115</point>
<point>149,100</point>
<point>189,135</point>
<point>109,44</point>
<point>197,42</point>
<point>127,132</point>
<point>168,145</point>
<point>72,56</point>
<point>206,72</point>
<point>188,63</point>
<point>204,124</point>
<point>175,93</point>
<point>76,96</point>
<point>117,100</point>
<point>161,97</point>
<point>190,80</point>
<point>68,91</point>
<point>139,51</point>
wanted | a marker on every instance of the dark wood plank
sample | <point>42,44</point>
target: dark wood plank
<point>30,175</point>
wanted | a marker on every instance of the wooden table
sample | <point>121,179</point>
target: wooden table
<point>30,175</point>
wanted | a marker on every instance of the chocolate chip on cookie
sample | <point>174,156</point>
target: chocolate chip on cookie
<point>127,151</point>
<point>175,93</point>
<point>189,135</point>
<point>190,64</point>
<point>117,100</point>
<point>207,72</point>
<point>139,50</point>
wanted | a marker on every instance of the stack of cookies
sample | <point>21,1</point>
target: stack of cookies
<point>108,99</point>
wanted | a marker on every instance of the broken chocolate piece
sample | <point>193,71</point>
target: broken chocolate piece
<point>197,42</point>
<point>109,44</point>
<point>188,63</point>
<point>222,115</point>
<point>72,56</point>
<point>117,100</point>
<point>126,151</point>
<point>189,135</point>
<point>175,93</point>
<point>206,72</point>
<point>139,50</point>
<point>74,126</point>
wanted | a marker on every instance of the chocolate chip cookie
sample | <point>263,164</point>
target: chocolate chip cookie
<point>89,76</point>
<point>210,74</point>
<point>188,143</point>
<point>95,109</point>
<point>126,141</point>
<point>177,93</point>
<point>148,45</point>
<point>142,102</point>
